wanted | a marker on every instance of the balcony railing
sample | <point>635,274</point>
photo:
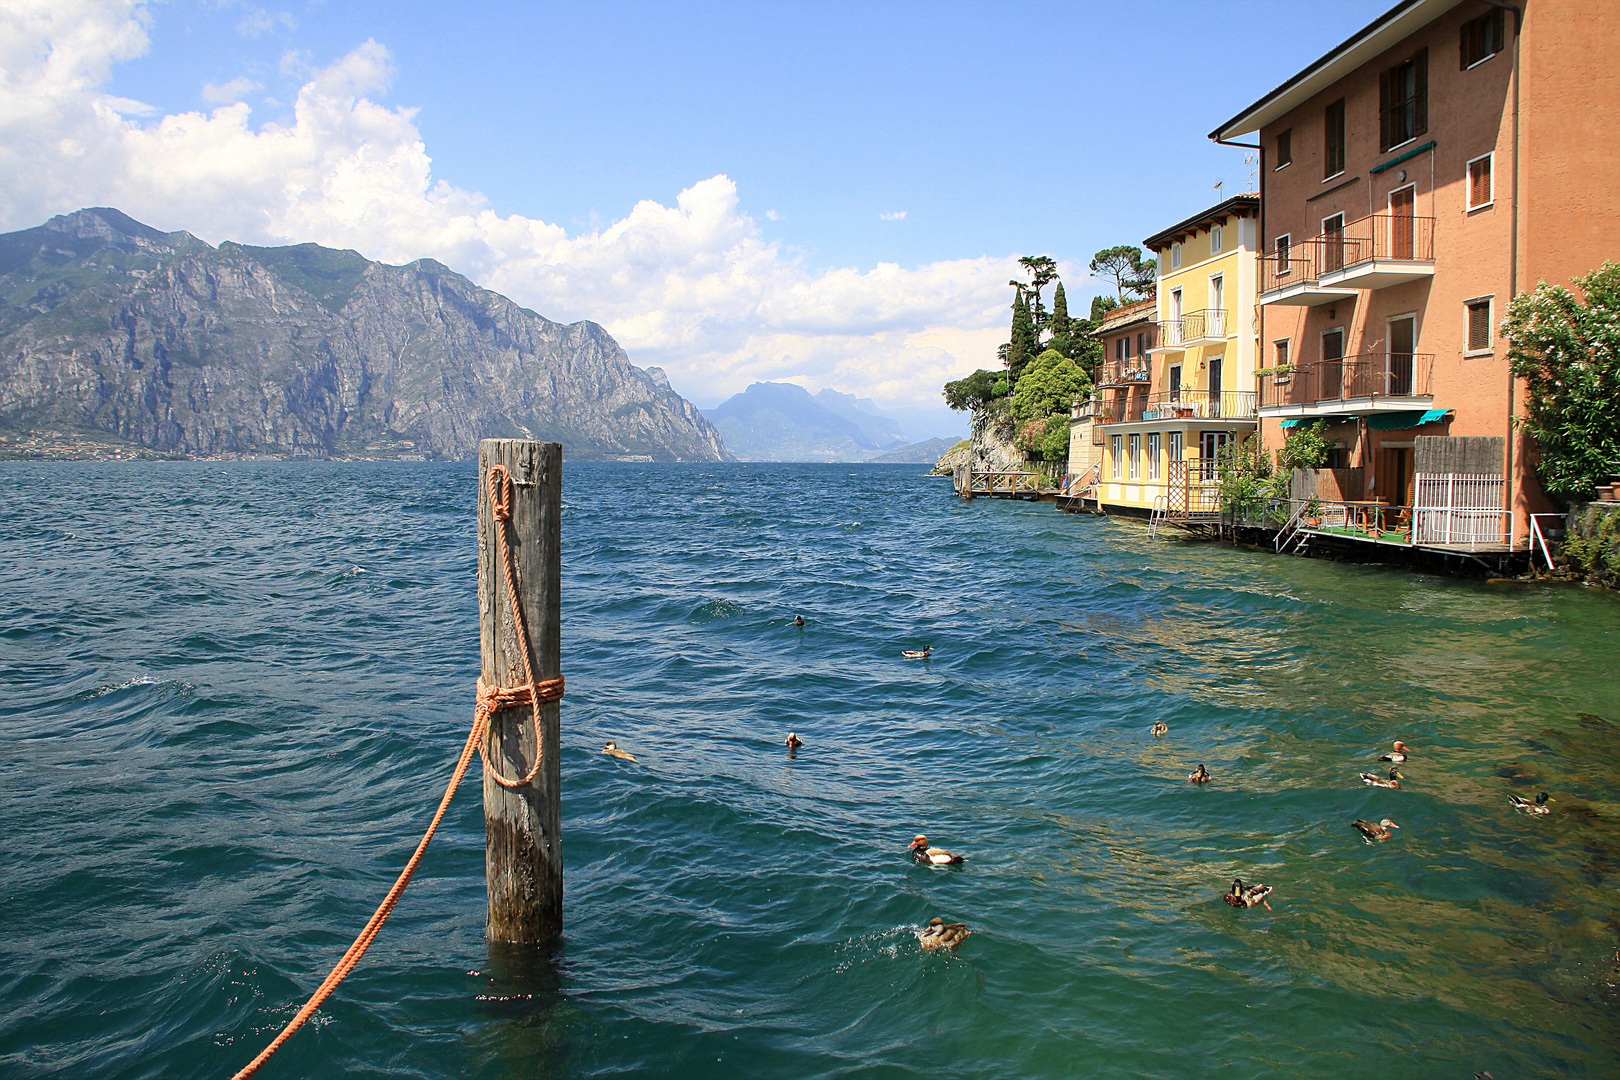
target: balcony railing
<point>1359,376</point>
<point>1193,326</point>
<point>1337,255</point>
<point>1179,405</point>
<point>1132,372</point>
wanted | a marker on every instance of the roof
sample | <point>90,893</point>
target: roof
<point>1128,315</point>
<point>1237,206</point>
<point>1399,22</point>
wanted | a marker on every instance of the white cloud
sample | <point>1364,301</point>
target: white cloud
<point>256,20</point>
<point>235,90</point>
<point>694,287</point>
<point>772,215</point>
<point>893,215</point>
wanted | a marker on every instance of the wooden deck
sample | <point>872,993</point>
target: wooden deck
<point>971,484</point>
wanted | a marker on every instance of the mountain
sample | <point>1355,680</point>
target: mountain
<point>783,422</point>
<point>878,426</point>
<point>108,325</point>
<point>920,453</point>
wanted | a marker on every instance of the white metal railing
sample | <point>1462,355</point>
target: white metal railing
<point>1078,483</point>
<point>1460,509</point>
<point>1537,534</point>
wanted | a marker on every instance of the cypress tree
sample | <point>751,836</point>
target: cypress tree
<point>1022,346</point>
<point>1062,329</point>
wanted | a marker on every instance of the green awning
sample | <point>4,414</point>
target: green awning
<point>1290,423</point>
<point>1394,421</point>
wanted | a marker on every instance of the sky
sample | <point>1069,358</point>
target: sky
<point>832,194</point>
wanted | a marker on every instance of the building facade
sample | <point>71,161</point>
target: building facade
<point>1414,180</point>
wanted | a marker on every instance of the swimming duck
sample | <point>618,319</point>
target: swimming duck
<point>933,856</point>
<point>1526,806</point>
<point>1394,780</point>
<point>943,935</point>
<point>1246,896</point>
<point>917,654</point>
<point>1201,776</point>
<point>1374,830</point>
<point>792,742</point>
<point>613,748</point>
<point>798,620</point>
<point>1160,728</point>
<point>1398,754</point>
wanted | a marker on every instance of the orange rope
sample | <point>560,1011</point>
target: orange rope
<point>490,699</point>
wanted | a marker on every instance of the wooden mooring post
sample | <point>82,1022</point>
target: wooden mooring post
<point>522,826</point>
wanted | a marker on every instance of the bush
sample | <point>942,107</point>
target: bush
<point>1247,484</point>
<point>972,393</point>
<point>1048,386</point>
<point>1306,447</point>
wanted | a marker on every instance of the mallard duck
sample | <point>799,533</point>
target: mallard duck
<point>1398,754</point>
<point>1370,780</point>
<point>943,935</point>
<point>792,742</point>
<point>1246,896</point>
<point>1526,806</point>
<point>917,654</point>
<point>613,748</point>
<point>933,856</point>
<point>1160,728</point>
<point>1199,776</point>
<point>1374,830</point>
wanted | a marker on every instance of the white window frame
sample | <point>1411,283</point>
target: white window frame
<point>1153,455</point>
<point>1216,238</point>
<point>1282,245</point>
<point>1175,256</point>
<point>1217,284</point>
<point>1134,457</point>
<point>1468,182</point>
<point>1172,446</point>
<point>1118,449</point>
<point>1489,300</point>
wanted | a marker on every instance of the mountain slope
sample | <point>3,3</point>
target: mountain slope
<point>783,422</point>
<point>109,325</point>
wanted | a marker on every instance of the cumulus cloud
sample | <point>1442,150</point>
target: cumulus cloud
<point>893,215</point>
<point>235,90</point>
<point>693,287</point>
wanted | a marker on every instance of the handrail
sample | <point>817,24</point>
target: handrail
<point>1537,535</point>
<point>1071,485</point>
<point>1290,526</point>
<point>1383,236</point>
<point>1358,375</point>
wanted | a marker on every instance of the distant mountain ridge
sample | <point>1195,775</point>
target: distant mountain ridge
<point>784,422</point>
<point>107,324</point>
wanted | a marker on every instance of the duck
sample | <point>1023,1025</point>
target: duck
<point>613,749</point>
<point>1160,728</point>
<point>1374,830</point>
<point>1199,776</point>
<point>933,856</point>
<point>1246,896</point>
<point>1398,754</point>
<point>917,654</point>
<point>1370,780</point>
<point>792,742</point>
<point>1526,806</point>
<point>943,935</point>
<point>798,620</point>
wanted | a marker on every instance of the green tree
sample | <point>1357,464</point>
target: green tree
<point>1048,387</point>
<point>1062,328</point>
<point>1245,481</point>
<point>1568,352</point>
<point>1306,447</point>
<point>1101,306</point>
<point>973,392</point>
<point>1132,275</point>
<point>1042,272</point>
<point>1023,343</point>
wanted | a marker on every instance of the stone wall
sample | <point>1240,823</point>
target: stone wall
<point>1591,547</point>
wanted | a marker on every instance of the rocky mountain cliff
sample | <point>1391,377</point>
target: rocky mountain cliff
<point>108,325</point>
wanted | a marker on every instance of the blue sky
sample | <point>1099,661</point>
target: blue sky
<point>995,129</point>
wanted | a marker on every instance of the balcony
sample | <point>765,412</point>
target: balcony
<point>1136,371</point>
<point>1178,405</point>
<point>1193,328</point>
<point>1376,252</point>
<point>1364,380</point>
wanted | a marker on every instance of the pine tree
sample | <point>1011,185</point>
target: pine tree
<point>1022,346</point>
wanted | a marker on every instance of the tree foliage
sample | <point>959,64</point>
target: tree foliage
<point>1568,352</point>
<point>1245,480</point>
<point>1042,272</point>
<point>972,393</point>
<point>1133,276</point>
<point>1023,345</point>
<point>1048,387</point>
<point>1305,447</point>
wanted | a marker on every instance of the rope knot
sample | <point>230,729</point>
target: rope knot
<point>500,493</point>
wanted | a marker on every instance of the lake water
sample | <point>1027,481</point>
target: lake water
<point>230,695</point>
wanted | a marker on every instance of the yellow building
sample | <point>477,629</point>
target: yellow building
<point>1173,393</point>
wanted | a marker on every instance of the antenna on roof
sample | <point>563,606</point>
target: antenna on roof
<point>1218,185</point>
<point>1254,173</point>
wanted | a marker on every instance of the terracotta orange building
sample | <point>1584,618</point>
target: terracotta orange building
<point>1440,161</point>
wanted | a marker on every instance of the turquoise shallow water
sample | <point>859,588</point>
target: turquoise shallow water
<point>232,693</point>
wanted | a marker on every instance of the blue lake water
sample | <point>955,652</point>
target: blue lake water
<point>230,695</point>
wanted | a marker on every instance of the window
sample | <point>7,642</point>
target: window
<point>1479,324</point>
<point>1173,445</point>
<point>1332,251</point>
<point>1210,443</point>
<point>1141,344</point>
<point>1482,38</point>
<point>1480,192</point>
<point>1175,256</point>
<point>1136,457</point>
<point>1403,101</point>
<point>1285,148</point>
<point>1333,140</point>
<point>1175,384</point>
<point>1114,458</point>
<point>1279,352</point>
<point>1126,341</point>
<point>1119,350</point>
<point>1214,239</point>
<point>1153,456</point>
<point>1282,243</point>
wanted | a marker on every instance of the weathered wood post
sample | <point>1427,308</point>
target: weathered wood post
<point>522,826</point>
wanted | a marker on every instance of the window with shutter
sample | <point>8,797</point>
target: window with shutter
<point>1479,324</point>
<point>1483,38</point>
<point>1333,139</point>
<point>1479,182</point>
<point>1403,101</point>
<point>1285,147</point>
